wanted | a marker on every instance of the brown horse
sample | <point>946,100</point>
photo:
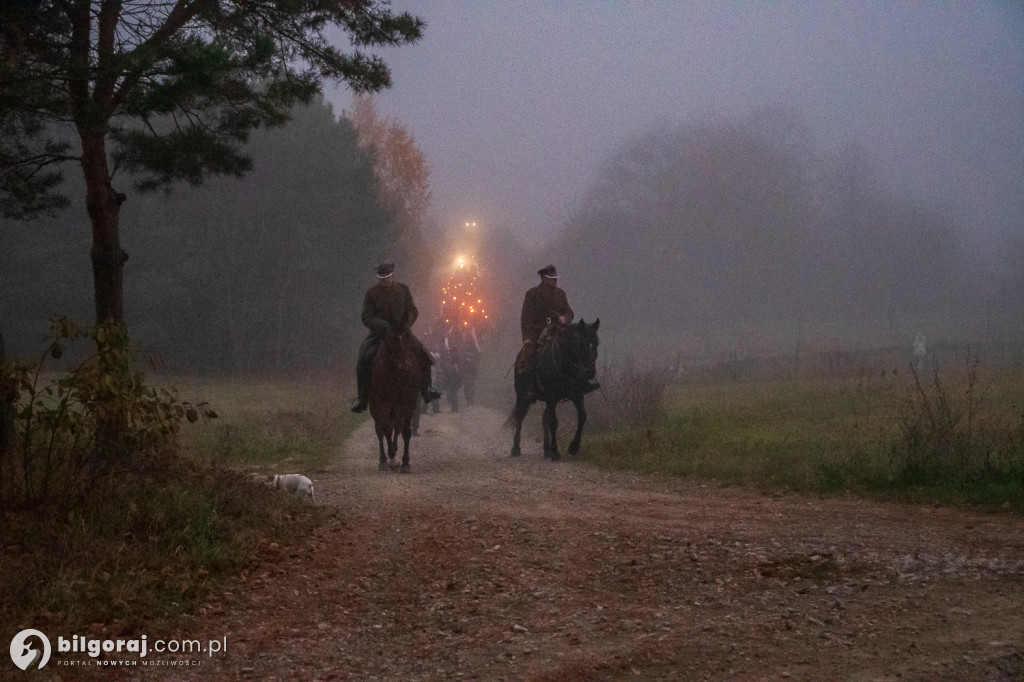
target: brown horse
<point>395,382</point>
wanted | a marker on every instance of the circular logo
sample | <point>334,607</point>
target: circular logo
<point>30,650</point>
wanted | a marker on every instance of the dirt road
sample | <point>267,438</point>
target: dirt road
<point>481,566</point>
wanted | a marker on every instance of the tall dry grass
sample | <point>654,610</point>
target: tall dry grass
<point>956,436</point>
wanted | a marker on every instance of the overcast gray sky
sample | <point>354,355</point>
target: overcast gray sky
<point>515,103</point>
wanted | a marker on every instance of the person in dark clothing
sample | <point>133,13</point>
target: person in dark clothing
<point>389,305</point>
<point>543,305</point>
<point>545,310</point>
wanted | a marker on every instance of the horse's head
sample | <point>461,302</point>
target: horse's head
<point>396,346</point>
<point>584,343</point>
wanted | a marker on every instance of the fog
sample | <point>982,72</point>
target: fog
<point>515,104</point>
<point>522,109</point>
<point>710,179</point>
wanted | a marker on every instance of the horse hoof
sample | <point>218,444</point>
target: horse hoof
<point>574,448</point>
<point>555,457</point>
<point>406,469</point>
<point>515,452</point>
<point>382,467</point>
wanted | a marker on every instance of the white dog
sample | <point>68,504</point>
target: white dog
<point>297,484</point>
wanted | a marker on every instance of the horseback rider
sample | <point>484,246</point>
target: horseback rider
<point>389,305</point>
<point>545,311</point>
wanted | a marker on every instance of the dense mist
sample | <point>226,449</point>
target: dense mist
<point>741,231</point>
<point>726,235</point>
<point>725,177</point>
<point>259,275</point>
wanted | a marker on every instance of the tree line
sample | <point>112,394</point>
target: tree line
<point>261,274</point>
<point>745,221</point>
<point>106,100</point>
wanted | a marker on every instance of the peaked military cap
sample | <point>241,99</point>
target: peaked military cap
<point>548,271</point>
<point>385,270</point>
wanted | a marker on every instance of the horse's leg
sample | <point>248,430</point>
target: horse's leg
<point>550,425</point>
<point>383,465</point>
<point>515,438</point>
<point>393,448</point>
<point>545,427</point>
<point>453,398</point>
<point>518,415</point>
<point>406,437</point>
<point>581,419</point>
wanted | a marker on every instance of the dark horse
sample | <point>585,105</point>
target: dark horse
<point>564,366</point>
<point>394,386</point>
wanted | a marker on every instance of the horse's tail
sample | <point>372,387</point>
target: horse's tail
<point>518,413</point>
<point>522,405</point>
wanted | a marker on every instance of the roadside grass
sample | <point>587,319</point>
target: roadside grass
<point>156,545</point>
<point>269,426</point>
<point>938,437</point>
<point>164,535</point>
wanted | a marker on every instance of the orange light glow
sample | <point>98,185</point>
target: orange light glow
<point>459,292</point>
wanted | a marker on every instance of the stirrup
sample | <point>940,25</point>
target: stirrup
<point>359,405</point>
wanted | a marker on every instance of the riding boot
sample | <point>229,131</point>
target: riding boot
<point>362,386</point>
<point>366,353</point>
<point>590,386</point>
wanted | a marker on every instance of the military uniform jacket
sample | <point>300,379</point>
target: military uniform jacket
<point>388,306</point>
<point>542,303</point>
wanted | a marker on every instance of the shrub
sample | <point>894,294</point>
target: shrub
<point>946,433</point>
<point>70,431</point>
<point>629,396</point>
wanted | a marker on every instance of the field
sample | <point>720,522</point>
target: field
<point>947,433</point>
<point>166,549</point>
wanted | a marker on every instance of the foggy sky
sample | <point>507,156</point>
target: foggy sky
<point>515,103</point>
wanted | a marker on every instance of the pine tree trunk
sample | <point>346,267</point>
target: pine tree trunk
<point>104,206</point>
